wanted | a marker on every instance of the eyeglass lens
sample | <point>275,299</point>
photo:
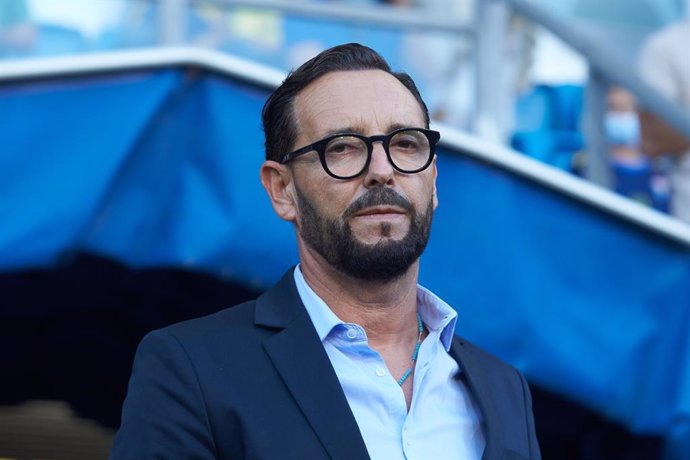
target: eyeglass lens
<point>347,155</point>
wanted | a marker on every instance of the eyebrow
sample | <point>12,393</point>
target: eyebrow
<point>353,130</point>
<point>335,132</point>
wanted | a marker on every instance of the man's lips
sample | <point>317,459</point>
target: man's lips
<point>380,212</point>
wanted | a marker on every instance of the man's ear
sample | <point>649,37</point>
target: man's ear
<point>435,173</point>
<point>277,180</point>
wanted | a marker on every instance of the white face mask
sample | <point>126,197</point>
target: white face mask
<point>622,128</point>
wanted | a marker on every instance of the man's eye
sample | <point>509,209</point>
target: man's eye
<point>343,147</point>
<point>405,144</point>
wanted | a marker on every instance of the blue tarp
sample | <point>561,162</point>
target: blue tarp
<point>161,168</point>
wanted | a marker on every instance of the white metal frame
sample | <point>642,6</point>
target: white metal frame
<point>140,58</point>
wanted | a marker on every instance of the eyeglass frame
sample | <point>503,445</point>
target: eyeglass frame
<point>320,148</point>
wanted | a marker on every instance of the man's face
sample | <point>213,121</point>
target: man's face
<point>376,225</point>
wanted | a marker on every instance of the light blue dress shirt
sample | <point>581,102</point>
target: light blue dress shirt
<point>443,422</point>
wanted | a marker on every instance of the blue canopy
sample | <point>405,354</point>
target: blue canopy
<point>159,167</point>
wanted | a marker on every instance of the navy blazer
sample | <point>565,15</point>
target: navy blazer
<point>254,382</point>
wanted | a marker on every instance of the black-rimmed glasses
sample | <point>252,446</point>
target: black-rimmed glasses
<point>347,155</point>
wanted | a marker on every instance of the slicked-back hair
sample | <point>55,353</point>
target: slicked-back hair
<point>280,128</point>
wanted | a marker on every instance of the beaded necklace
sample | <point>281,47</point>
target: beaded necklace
<point>416,351</point>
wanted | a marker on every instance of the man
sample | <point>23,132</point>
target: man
<point>665,64</point>
<point>347,357</point>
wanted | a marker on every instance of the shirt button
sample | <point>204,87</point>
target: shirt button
<point>351,333</point>
<point>380,372</point>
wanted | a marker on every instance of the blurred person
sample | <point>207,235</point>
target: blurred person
<point>17,31</point>
<point>664,63</point>
<point>622,125</point>
<point>631,169</point>
<point>635,176</point>
<point>347,356</point>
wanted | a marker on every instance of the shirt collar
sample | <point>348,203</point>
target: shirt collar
<point>323,317</point>
<point>436,314</point>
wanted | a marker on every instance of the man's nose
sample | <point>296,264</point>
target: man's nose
<point>380,170</point>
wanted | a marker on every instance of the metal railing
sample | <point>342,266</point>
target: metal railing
<point>173,31</point>
<point>379,15</point>
<point>484,30</point>
<point>606,67</point>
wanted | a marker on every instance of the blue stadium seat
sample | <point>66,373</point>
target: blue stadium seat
<point>547,124</point>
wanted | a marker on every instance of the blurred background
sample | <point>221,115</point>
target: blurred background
<point>130,145</point>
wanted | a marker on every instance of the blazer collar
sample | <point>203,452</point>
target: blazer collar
<point>300,359</point>
<point>299,356</point>
<point>280,305</point>
<point>472,373</point>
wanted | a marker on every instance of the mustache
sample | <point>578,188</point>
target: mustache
<point>378,196</point>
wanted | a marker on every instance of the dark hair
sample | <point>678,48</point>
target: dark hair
<point>277,115</point>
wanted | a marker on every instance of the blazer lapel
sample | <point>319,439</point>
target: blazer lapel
<point>472,373</point>
<point>300,359</point>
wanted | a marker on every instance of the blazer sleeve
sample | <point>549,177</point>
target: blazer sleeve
<point>534,452</point>
<point>164,415</point>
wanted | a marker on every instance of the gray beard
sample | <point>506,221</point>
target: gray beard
<point>384,261</point>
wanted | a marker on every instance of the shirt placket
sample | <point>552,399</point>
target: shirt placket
<point>424,359</point>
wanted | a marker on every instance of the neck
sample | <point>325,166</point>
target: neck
<point>386,310</point>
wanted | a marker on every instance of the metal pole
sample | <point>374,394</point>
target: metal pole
<point>593,127</point>
<point>382,16</point>
<point>490,107</point>
<point>172,21</point>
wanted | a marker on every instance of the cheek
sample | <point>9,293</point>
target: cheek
<point>330,199</point>
<point>334,204</point>
<point>430,191</point>
<point>421,192</point>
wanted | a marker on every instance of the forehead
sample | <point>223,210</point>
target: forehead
<point>366,101</point>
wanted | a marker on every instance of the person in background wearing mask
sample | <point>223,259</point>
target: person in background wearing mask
<point>633,172</point>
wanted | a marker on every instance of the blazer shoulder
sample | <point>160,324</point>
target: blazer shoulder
<point>224,323</point>
<point>460,345</point>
